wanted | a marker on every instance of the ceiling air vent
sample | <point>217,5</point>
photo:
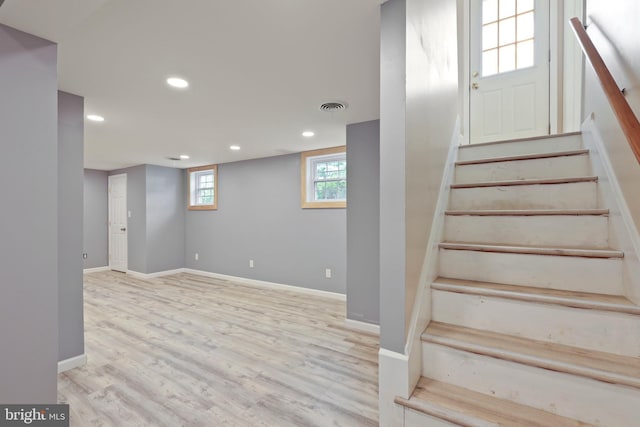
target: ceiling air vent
<point>333,106</point>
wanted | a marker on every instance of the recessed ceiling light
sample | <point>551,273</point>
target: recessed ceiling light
<point>234,147</point>
<point>177,82</point>
<point>184,157</point>
<point>308,134</point>
<point>95,118</point>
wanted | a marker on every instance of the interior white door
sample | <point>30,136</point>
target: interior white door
<point>509,69</point>
<point>118,222</point>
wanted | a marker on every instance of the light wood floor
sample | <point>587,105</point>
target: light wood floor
<point>185,350</point>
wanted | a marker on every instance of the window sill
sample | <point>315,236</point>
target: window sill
<point>324,205</point>
<point>203,208</point>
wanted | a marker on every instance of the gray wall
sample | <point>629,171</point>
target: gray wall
<point>96,217</point>
<point>166,198</point>
<point>137,223</point>
<point>363,222</point>
<point>259,217</point>
<point>70,208</point>
<point>419,107</point>
<point>616,34</point>
<point>156,200</point>
<point>28,219</point>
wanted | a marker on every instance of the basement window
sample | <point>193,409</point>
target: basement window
<point>203,188</point>
<point>324,178</point>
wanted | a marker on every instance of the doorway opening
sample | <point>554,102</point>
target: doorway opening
<point>118,241</point>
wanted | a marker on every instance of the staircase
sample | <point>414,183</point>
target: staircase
<point>529,323</point>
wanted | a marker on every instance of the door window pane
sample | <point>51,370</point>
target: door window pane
<point>525,26</point>
<point>525,5</point>
<point>490,36</point>
<point>490,62</point>
<point>507,58</point>
<point>507,8</point>
<point>525,54</point>
<point>489,11</point>
<point>507,33</point>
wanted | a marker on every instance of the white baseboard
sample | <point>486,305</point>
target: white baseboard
<point>271,285</point>
<point>95,269</point>
<point>362,326</point>
<point>154,275</point>
<point>243,280</point>
<point>72,362</point>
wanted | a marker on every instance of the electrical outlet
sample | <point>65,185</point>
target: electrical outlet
<point>85,255</point>
<point>327,273</point>
<point>197,256</point>
<point>250,263</point>
<point>128,214</point>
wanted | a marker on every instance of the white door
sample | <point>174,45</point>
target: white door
<point>509,67</point>
<point>118,222</point>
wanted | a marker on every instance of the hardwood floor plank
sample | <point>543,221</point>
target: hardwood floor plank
<point>186,350</point>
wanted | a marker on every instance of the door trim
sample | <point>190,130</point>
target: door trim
<point>573,66</point>
<point>556,42</point>
<point>109,179</point>
<point>465,41</point>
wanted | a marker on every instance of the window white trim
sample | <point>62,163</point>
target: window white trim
<point>308,179</point>
<point>192,175</point>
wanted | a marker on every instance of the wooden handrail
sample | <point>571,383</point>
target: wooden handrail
<point>627,119</point>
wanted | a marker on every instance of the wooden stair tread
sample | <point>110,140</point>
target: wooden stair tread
<point>529,212</point>
<point>508,141</point>
<point>523,157</point>
<point>536,181</point>
<point>472,409</point>
<point>592,364</point>
<point>585,300</point>
<point>534,250</point>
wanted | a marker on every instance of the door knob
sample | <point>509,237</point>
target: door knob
<point>123,229</point>
<point>475,86</point>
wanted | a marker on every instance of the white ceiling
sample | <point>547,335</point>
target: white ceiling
<point>258,71</point>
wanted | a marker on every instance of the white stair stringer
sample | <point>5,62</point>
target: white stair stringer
<point>582,229</point>
<point>577,397</point>
<point>554,165</point>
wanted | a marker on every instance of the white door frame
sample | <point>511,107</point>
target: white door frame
<point>109,217</point>
<point>562,63</point>
<point>573,66</point>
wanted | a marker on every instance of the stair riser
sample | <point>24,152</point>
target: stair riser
<point>590,329</point>
<point>555,167</point>
<point>577,195</point>
<point>565,143</point>
<point>553,230</point>
<point>555,272</point>
<point>563,394</point>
